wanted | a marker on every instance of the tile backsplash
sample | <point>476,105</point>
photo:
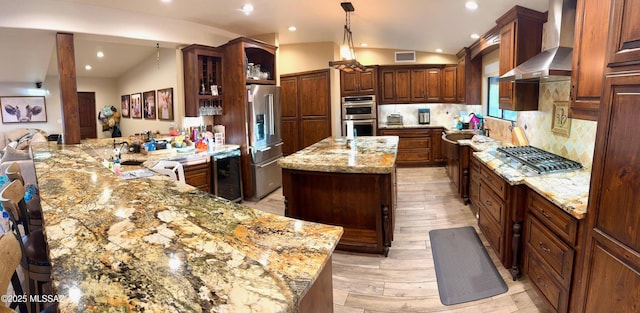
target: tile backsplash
<point>578,146</point>
<point>442,114</point>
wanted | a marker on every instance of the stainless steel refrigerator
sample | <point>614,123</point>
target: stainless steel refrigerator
<point>264,138</point>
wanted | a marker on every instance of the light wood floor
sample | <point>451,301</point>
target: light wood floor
<point>405,281</point>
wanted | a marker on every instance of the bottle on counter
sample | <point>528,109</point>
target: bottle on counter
<point>116,166</point>
<point>5,223</point>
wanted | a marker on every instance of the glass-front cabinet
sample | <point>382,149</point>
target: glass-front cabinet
<point>202,80</point>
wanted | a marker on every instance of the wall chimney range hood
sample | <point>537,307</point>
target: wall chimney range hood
<point>554,63</point>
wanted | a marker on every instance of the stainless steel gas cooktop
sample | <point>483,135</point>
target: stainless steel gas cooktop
<point>537,160</point>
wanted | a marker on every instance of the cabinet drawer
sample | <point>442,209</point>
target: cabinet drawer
<point>553,217</point>
<point>490,204</point>
<point>557,254</point>
<point>494,182</point>
<point>538,273</point>
<point>414,143</point>
<point>491,231</point>
<point>414,155</point>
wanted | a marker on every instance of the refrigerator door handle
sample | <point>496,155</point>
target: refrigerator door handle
<point>279,144</point>
<point>272,124</point>
<point>265,165</point>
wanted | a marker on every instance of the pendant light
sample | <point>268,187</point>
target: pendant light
<point>347,60</point>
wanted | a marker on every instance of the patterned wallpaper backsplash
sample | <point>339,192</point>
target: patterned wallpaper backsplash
<point>578,146</point>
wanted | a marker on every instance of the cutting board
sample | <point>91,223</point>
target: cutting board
<point>518,138</point>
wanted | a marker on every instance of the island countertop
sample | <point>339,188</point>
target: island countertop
<point>157,245</point>
<point>372,155</point>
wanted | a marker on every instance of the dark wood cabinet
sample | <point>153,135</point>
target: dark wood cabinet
<point>237,53</point>
<point>306,109</point>
<point>202,68</point>
<point>624,36</point>
<point>449,83</point>
<point>419,85</point>
<point>551,243</point>
<point>416,84</point>
<point>436,146</point>
<point>501,213</point>
<point>416,146</point>
<point>468,78</point>
<point>198,175</point>
<point>358,83</point>
<point>434,85</point>
<point>520,39</point>
<point>588,58</point>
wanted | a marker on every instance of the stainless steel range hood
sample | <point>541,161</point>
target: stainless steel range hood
<point>554,63</point>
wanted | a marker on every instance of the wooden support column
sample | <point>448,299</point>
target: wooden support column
<point>68,88</point>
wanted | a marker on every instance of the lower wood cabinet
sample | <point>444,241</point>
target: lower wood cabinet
<point>500,208</point>
<point>198,175</point>
<point>551,246</point>
<point>417,146</point>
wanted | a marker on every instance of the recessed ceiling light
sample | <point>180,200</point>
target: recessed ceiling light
<point>165,1</point>
<point>87,67</point>
<point>247,9</point>
<point>292,28</point>
<point>475,36</point>
<point>439,50</point>
<point>100,54</point>
<point>364,44</point>
<point>471,5</point>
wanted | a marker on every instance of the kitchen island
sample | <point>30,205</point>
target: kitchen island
<point>329,182</point>
<point>157,245</point>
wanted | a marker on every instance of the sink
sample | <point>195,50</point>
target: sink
<point>131,162</point>
<point>450,146</point>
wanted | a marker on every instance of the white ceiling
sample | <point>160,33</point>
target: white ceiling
<point>422,25</point>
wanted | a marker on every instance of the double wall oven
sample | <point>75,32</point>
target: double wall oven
<point>362,111</point>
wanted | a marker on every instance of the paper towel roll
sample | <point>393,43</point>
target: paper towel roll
<point>518,137</point>
<point>349,129</point>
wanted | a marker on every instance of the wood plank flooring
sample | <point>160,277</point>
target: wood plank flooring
<point>405,281</point>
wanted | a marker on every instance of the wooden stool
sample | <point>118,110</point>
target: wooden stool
<point>34,246</point>
<point>11,255</point>
<point>33,207</point>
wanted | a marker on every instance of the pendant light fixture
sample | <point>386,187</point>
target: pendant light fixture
<point>347,60</point>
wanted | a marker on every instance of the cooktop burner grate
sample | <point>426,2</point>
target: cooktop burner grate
<point>538,160</point>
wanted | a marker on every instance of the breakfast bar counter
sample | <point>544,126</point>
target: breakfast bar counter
<point>350,186</point>
<point>157,245</point>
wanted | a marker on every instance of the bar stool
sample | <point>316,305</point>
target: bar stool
<point>35,256</point>
<point>33,207</point>
<point>11,255</point>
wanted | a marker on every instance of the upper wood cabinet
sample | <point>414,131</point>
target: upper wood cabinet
<point>202,68</point>
<point>468,77</point>
<point>358,83</point>
<point>588,58</point>
<point>449,83</point>
<point>624,35</point>
<point>417,83</point>
<point>520,39</point>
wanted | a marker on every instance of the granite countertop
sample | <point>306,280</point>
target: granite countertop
<point>156,245</point>
<point>372,155</point>
<point>567,190</point>
<point>393,126</point>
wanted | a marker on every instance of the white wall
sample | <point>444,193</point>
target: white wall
<point>148,76</point>
<point>106,92</point>
<point>50,90</point>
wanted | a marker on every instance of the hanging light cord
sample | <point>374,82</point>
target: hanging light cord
<point>348,37</point>
<point>158,54</point>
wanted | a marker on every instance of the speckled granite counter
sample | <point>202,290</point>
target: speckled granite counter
<point>373,155</point>
<point>156,245</point>
<point>395,126</point>
<point>567,190</point>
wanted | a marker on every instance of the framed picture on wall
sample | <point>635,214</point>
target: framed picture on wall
<point>136,105</point>
<point>561,123</point>
<point>124,105</point>
<point>23,109</point>
<point>165,104</point>
<point>149,107</point>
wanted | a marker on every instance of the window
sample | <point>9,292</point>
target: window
<point>492,101</point>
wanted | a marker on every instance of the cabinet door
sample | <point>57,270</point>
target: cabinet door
<point>624,34</point>
<point>613,227</point>
<point>348,83</point>
<point>289,102</point>
<point>367,82</point>
<point>403,86</point>
<point>387,86</point>
<point>507,62</point>
<point>198,175</point>
<point>418,85</point>
<point>436,144</point>
<point>434,85</point>
<point>588,58</point>
<point>460,81</point>
<point>449,92</point>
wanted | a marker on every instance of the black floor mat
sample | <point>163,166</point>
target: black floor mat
<point>463,268</point>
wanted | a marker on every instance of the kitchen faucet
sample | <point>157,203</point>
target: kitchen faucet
<point>118,151</point>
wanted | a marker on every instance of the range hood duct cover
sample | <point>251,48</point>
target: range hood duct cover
<point>553,64</point>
